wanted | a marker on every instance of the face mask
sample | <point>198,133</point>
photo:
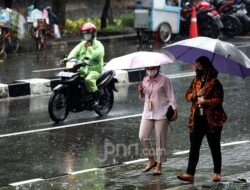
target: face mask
<point>152,73</point>
<point>199,72</point>
<point>87,37</point>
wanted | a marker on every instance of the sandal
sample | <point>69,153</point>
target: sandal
<point>149,168</point>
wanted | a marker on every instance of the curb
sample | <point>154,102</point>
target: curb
<point>39,86</point>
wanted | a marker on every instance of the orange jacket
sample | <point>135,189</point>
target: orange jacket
<point>213,108</point>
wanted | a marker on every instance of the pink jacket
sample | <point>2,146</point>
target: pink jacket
<point>159,90</point>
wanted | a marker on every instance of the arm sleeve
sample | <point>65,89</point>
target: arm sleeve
<point>170,93</point>
<point>190,94</point>
<point>217,94</point>
<point>75,52</point>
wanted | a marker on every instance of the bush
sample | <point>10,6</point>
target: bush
<point>125,22</point>
<point>128,20</point>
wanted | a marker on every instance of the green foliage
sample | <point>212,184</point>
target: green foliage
<point>124,22</point>
<point>128,20</point>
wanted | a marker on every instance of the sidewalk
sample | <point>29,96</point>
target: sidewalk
<point>129,176</point>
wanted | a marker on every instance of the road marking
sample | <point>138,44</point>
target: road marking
<point>26,181</point>
<point>222,145</point>
<point>84,171</point>
<point>68,126</point>
<point>135,161</point>
<point>181,152</point>
<point>181,75</point>
<point>234,143</point>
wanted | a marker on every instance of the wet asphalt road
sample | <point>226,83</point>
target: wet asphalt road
<point>32,146</point>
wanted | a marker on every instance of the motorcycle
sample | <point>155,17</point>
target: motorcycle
<point>232,24</point>
<point>71,94</point>
<point>208,20</point>
<point>241,13</point>
<point>44,26</point>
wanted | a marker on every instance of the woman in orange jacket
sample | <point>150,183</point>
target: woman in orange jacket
<point>207,117</point>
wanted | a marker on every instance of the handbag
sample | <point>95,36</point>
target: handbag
<point>170,113</point>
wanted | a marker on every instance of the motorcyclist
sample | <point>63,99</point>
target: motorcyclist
<point>92,52</point>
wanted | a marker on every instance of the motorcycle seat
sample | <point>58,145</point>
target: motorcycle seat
<point>104,78</point>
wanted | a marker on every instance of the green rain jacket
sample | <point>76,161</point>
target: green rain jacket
<point>95,53</point>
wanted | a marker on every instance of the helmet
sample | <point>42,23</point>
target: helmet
<point>89,31</point>
<point>88,27</point>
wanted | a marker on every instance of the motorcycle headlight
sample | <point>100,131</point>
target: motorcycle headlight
<point>70,65</point>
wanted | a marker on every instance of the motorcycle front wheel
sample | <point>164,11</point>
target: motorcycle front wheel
<point>106,101</point>
<point>58,109</point>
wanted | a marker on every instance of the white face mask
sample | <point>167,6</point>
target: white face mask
<point>152,73</point>
<point>87,36</point>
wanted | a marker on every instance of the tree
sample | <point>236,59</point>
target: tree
<point>8,3</point>
<point>59,8</point>
<point>107,14</point>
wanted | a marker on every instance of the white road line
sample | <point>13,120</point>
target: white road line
<point>222,145</point>
<point>135,161</point>
<point>181,152</point>
<point>180,76</point>
<point>234,143</point>
<point>84,171</point>
<point>26,181</point>
<point>68,126</point>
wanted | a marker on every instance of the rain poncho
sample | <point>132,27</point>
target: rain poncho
<point>95,54</point>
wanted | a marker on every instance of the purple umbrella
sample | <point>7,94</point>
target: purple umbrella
<point>225,57</point>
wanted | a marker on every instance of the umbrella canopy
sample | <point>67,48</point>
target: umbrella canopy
<point>225,57</point>
<point>138,60</point>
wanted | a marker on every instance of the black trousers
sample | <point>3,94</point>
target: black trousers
<point>201,129</point>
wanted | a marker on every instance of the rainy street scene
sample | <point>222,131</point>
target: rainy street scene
<point>124,95</point>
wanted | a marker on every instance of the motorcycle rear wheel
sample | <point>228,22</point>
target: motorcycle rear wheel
<point>106,101</point>
<point>232,26</point>
<point>58,108</point>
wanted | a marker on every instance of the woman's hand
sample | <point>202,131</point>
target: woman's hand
<point>140,90</point>
<point>175,116</point>
<point>87,44</point>
<point>201,100</point>
<point>63,61</point>
<point>140,87</point>
<point>201,92</point>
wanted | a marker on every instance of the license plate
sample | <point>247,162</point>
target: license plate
<point>66,74</point>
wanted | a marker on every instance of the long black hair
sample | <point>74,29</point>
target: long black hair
<point>208,66</point>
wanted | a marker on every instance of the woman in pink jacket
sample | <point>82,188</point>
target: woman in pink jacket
<point>157,92</point>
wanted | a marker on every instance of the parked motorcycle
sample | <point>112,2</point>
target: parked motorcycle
<point>232,24</point>
<point>71,94</point>
<point>208,20</point>
<point>241,13</point>
<point>44,25</point>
